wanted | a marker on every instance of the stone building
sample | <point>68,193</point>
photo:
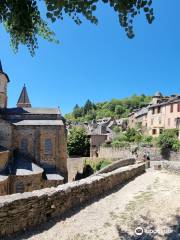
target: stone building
<point>32,144</point>
<point>162,113</point>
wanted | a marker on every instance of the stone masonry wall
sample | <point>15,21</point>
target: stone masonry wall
<point>4,185</point>
<point>116,164</point>
<point>155,153</point>
<point>6,134</point>
<point>4,157</point>
<point>20,211</point>
<point>35,137</point>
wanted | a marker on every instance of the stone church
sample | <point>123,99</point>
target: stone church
<point>32,144</point>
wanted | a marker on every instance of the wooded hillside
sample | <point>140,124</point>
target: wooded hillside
<point>117,108</point>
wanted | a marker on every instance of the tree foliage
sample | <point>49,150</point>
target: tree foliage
<point>117,108</point>
<point>78,142</point>
<point>24,22</point>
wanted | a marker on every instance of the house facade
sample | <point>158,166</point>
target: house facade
<point>162,113</point>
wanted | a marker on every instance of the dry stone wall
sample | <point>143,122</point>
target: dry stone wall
<point>20,211</point>
<point>155,153</point>
<point>117,164</point>
<point>4,157</point>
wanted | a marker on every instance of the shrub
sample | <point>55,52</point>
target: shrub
<point>118,143</point>
<point>133,135</point>
<point>96,166</point>
<point>168,139</point>
<point>176,146</point>
<point>102,164</point>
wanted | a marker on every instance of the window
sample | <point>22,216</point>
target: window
<point>48,146</point>
<point>24,145</point>
<point>159,110</point>
<point>178,107</point>
<point>153,111</point>
<point>154,131</point>
<point>171,108</point>
<point>19,187</point>
<point>169,122</point>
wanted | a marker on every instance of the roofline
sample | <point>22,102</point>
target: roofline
<point>5,76</point>
<point>165,103</point>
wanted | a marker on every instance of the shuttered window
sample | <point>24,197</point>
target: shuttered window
<point>171,108</point>
<point>178,107</point>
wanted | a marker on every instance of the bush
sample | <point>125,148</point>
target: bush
<point>118,143</point>
<point>78,142</point>
<point>168,139</point>
<point>102,164</point>
<point>133,135</point>
<point>146,141</point>
<point>176,146</point>
<point>96,166</point>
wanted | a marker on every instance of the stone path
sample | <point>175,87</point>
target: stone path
<point>150,202</point>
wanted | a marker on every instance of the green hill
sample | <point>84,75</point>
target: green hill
<point>117,108</point>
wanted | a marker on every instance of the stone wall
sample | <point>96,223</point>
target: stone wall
<point>20,211</point>
<point>108,152</point>
<point>28,182</point>
<point>117,164</point>
<point>25,183</point>
<point>6,134</point>
<point>171,166</point>
<point>4,185</point>
<point>4,158</point>
<point>155,153</point>
<point>35,137</point>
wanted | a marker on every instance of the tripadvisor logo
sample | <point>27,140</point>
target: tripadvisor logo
<point>139,231</point>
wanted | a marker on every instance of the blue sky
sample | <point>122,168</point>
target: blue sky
<point>98,62</point>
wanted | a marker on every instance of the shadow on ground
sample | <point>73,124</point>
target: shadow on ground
<point>145,229</point>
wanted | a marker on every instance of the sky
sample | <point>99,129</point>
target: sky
<point>98,62</point>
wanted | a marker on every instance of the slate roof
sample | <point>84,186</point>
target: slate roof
<point>141,112</point>
<point>39,123</point>
<point>23,99</point>
<point>11,111</point>
<point>175,99</point>
<point>2,149</point>
<point>23,166</point>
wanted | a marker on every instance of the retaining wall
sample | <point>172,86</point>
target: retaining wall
<point>117,164</point>
<point>173,167</point>
<point>20,211</point>
<point>155,153</point>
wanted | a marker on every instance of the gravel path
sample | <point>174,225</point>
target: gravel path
<point>151,201</point>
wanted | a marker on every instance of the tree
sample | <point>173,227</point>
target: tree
<point>23,19</point>
<point>119,110</point>
<point>88,106</point>
<point>78,142</point>
<point>77,111</point>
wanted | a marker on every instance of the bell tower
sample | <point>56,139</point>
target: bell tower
<point>4,79</point>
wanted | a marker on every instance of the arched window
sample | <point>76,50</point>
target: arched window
<point>19,187</point>
<point>24,145</point>
<point>48,146</point>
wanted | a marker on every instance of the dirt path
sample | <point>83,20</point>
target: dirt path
<point>151,201</point>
